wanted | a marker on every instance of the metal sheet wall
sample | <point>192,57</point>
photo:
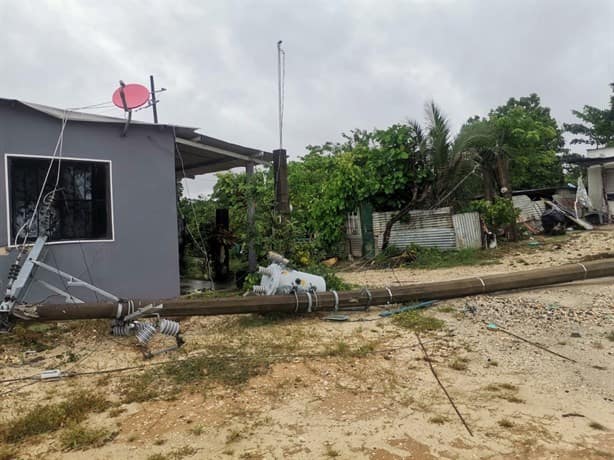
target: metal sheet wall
<point>432,228</point>
<point>468,230</point>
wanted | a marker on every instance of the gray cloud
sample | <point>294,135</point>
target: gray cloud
<point>350,64</point>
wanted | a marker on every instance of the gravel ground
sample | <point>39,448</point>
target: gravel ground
<point>359,389</point>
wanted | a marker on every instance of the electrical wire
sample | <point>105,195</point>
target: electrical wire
<point>57,149</point>
<point>202,246</point>
<point>36,377</point>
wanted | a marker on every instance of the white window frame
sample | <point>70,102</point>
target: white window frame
<point>49,157</point>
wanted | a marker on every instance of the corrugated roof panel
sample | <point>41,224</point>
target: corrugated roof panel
<point>530,211</point>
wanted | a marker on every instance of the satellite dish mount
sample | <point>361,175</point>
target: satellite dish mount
<point>134,96</point>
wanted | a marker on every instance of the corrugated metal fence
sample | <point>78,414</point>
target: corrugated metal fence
<point>431,228</point>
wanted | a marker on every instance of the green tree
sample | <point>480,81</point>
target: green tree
<point>528,137</point>
<point>597,127</point>
<point>402,167</point>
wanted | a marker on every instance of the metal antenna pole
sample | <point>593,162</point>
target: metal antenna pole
<point>153,98</point>
<point>280,95</point>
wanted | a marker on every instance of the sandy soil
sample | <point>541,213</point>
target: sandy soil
<point>381,402</point>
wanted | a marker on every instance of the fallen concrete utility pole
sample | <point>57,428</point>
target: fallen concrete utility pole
<point>330,300</point>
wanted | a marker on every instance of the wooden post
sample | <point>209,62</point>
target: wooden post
<point>503,169</point>
<point>252,261</point>
<point>604,190</point>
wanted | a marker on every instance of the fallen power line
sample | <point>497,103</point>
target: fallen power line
<point>428,360</point>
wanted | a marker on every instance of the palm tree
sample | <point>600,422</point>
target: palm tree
<point>443,158</point>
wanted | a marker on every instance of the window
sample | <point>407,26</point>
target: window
<point>82,206</point>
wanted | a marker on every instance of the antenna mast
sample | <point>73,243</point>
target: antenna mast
<point>281,74</point>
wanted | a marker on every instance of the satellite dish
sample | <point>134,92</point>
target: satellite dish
<point>130,96</point>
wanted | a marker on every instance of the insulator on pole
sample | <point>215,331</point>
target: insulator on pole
<point>144,332</point>
<point>168,327</point>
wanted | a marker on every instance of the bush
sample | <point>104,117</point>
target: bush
<point>498,216</point>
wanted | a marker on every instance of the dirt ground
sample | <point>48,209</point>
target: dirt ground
<point>305,388</point>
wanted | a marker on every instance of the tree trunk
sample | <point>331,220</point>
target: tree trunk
<point>503,170</point>
<point>489,183</point>
<point>393,220</point>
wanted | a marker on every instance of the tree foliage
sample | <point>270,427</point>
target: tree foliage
<point>520,136</point>
<point>596,127</point>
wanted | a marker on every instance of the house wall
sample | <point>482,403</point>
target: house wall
<point>142,261</point>
<point>595,185</point>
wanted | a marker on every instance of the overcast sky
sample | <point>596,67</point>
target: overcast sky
<point>350,64</point>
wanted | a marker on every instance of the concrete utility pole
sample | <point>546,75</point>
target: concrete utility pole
<point>331,300</point>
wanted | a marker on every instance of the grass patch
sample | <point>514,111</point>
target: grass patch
<point>446,309</point>
<point>343,349</point>
<point>116,411</point>
<point>330,452</point>
<point>197,430</point>
<point>597,426</point>
<point>80,438</point>
<point>508,386</point>
<point>52,417</point>
<point>225,370</point>
<point>430,258</point>
<point>176,454</point>
<point>438,419</point>
<point>417,322</point>
<point>142,387</point>
<point>7,453</point>
<point>505,391</point>
<point>511,398</point>
<point>233,436</point>
<point>459,364</point>
<point>505,423</point>
<point>31,337</point>
<point>228,366</point>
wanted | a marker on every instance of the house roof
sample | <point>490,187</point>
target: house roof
<point>195,153</point>
<point>593,161</point>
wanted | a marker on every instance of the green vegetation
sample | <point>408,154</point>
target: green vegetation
<point>47,418</point>
<point>597,127</point>
<point>597,426</point>
<point>7,453</point>
<point>231,368</point>
<point>197,430</point>
<point>405,166</point>
<point>217,369</point>
<point>505,423</point>
<point>459,364</point>
<point>438,419</point>
<point>431,258</point>
<point>418,322</point>
<point>343,349</point>
<point>498,215</point>
<point>505,391</point>
<point>176,454</point>
<point>331,452</point>
<point>610,336</point>
<point>80,438</point>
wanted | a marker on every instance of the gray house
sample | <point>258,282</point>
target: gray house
<point>114,214</point>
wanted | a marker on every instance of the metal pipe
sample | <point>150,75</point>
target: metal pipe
<point>331,300</point>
